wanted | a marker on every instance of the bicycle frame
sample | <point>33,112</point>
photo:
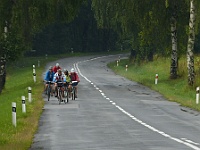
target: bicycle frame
<point>48,90</point>
<point>74,83</point>
<point>60,92</point>
<point>66,94</point>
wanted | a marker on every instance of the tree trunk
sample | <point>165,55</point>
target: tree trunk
<point>174,60</point>
<point>190,46</point>
<point>2,73</point>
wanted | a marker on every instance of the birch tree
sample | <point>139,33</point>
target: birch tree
<point>190,45</point>
<point>174,55</point>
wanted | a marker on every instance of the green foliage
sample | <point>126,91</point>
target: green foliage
<point>25,18</point>
<point>81,35</point>
<point>146,23</point>
<point>11,46</point>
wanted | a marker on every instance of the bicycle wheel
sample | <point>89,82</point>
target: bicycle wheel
<point>59,96</point>
<point>48,92</point>
<point>67,95</point>
<point>73,93</point>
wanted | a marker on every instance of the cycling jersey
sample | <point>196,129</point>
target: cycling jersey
<point>56,68</point>
<point>49,76</point>
<point>61,78</point>
<point>74,77</point>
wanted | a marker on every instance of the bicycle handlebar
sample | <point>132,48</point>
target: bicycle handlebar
<point>59,82</point>
<point>48,81</point>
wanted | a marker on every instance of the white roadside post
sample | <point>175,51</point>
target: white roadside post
<point>29,95</point>
<point>126,67</point>
<point>34,74</point>
<point>156,79</point>
<point>117,63</point>
<point>14,120</point>
<point>197,95</point>
<point>23,104</point>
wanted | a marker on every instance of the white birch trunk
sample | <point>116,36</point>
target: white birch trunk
<point>174,60</point>
<point>190,46</point>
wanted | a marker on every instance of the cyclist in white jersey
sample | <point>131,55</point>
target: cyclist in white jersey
<point>59,77</point>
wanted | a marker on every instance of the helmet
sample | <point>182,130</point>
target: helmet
<point>59,70</point>
<point>50,67</point>
<point>72,70</point>
<point>57,64</point>
<point>64,70</point>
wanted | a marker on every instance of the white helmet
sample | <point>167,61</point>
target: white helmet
<point>57,64</point>
<point>72,70</point>
<point>64,70</point>
<point>50,67</point>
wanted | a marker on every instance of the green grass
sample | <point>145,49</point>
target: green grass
<point>18,80</point>
<point>175,90</point>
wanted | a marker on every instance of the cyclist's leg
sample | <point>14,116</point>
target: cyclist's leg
<point>70,90</point>
<point>52,89</point>
<point>45,88</point>
<point>62,89</point>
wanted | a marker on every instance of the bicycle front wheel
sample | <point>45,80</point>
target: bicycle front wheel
<point>67,95</point>
<point>48,92</point>
<point>73,93</point>
<point>60,96</point>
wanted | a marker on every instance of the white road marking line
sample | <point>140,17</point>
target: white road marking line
<point>189,141</point>
<point>184,141</point>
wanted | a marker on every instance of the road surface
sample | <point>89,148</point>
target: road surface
<point>113,113</point>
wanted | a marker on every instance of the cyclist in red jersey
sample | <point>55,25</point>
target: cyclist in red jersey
<point>74,77</point>
<point>56,68</point>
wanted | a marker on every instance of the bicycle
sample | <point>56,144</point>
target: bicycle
<point>60,93</point>
<point>48,90</point>
<point>66,92</point>
<point>74,83</point>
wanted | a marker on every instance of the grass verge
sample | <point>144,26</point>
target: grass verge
<point>175,90</point>
<point>19,78</point>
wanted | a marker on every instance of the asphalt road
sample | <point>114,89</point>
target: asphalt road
<point>113,113</point>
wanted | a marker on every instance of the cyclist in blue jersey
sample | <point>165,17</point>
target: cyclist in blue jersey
<point>49,77</point>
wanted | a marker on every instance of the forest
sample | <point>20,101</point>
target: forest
<point>146,28</point>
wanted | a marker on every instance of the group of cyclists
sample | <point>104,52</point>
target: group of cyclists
<point>57,75</point>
